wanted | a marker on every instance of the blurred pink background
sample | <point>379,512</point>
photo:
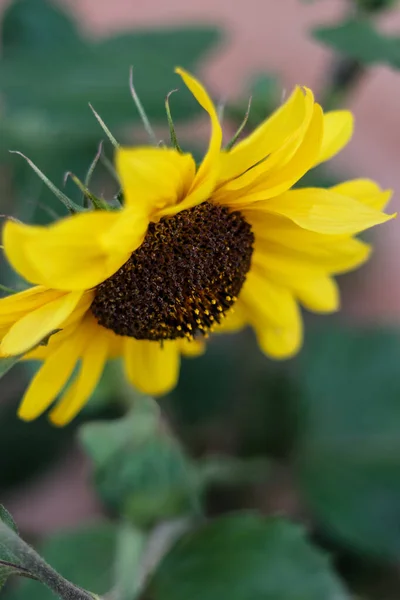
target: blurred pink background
<point>270,36</point>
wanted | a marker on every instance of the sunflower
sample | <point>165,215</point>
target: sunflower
<point>193,250</point>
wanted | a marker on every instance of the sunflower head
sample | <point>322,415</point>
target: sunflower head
<point>194,249</point>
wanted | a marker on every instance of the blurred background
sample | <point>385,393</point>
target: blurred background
<point>316,438</point>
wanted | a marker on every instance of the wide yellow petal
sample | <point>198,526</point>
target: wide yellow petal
<point>266,302</point>
<point>274,314</point>
<point>366,191</point>
<point>262,183</point>
<point>43,352</point>
<point>154,178</point>
<point>50,379</point>
<point>288,250</point>
<point>307,281</point>
<point>36,325</point>
<point>208,172</point>
<point>284,125</point>
<point>319,295</point>
<point>338,129</point>
<point>80,310</point>
<point>282,342</point>
<point>15,237</point>
<point>323,211</point>
<point>78,252</point>
<point>93,359</point>
<point>284,270</point>
<point>15,306</point>
<point>191,348</point>
<point>151,367</point>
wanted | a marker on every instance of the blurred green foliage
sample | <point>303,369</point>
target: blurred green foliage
<point>140,470</point>
<point>361,40</point>
<point>245,557</point>
<point>347,455</point>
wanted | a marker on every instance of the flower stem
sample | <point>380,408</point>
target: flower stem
<point>346,73</point>
<point>39,569</point>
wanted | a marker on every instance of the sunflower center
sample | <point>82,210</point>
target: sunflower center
<point>182,279</point>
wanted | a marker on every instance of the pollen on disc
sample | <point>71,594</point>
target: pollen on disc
<point>181,281</point>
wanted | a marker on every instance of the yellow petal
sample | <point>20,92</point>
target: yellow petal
<point>151,367</point>
<point>266,302</point>
<point>366,191</point>
<point>319,295</point>
<point>55,341</point>
<point>78,252</point>
<point>153,178</point>
<point>50,379</point>
<point>208,172</point>
<point>323,211</point>
<point>262,183</point>
<point>36,325</point>
<point>281,342</point>
<point>285,270</point>
<point>93,359</point>
<point>270,136</point>
<point>338,129</point>
<point>273,312</point>
<point>191,348</point>
<point>15,306</point>
<point>15,237</point>
<point>80,310</point>
<point>290,257</point>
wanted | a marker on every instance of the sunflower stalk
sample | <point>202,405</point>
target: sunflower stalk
<point>243,124</point>
<point>37,568</point>
<point>97,202</point>
<point>69,204</point>
<point>346,72</point>
<point>172,132</point>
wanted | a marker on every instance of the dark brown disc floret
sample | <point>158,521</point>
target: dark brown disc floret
<point>184,277</point>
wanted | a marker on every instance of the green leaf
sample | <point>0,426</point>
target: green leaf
<point>84,556</point>
<point>7,519</point>
<point>359,40</point>
<point>10,563</point>
<point>348,457</point>
<point>140,470</point>
<point>35,26</point>
<point>245,557</point>
<point>104,440</point>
